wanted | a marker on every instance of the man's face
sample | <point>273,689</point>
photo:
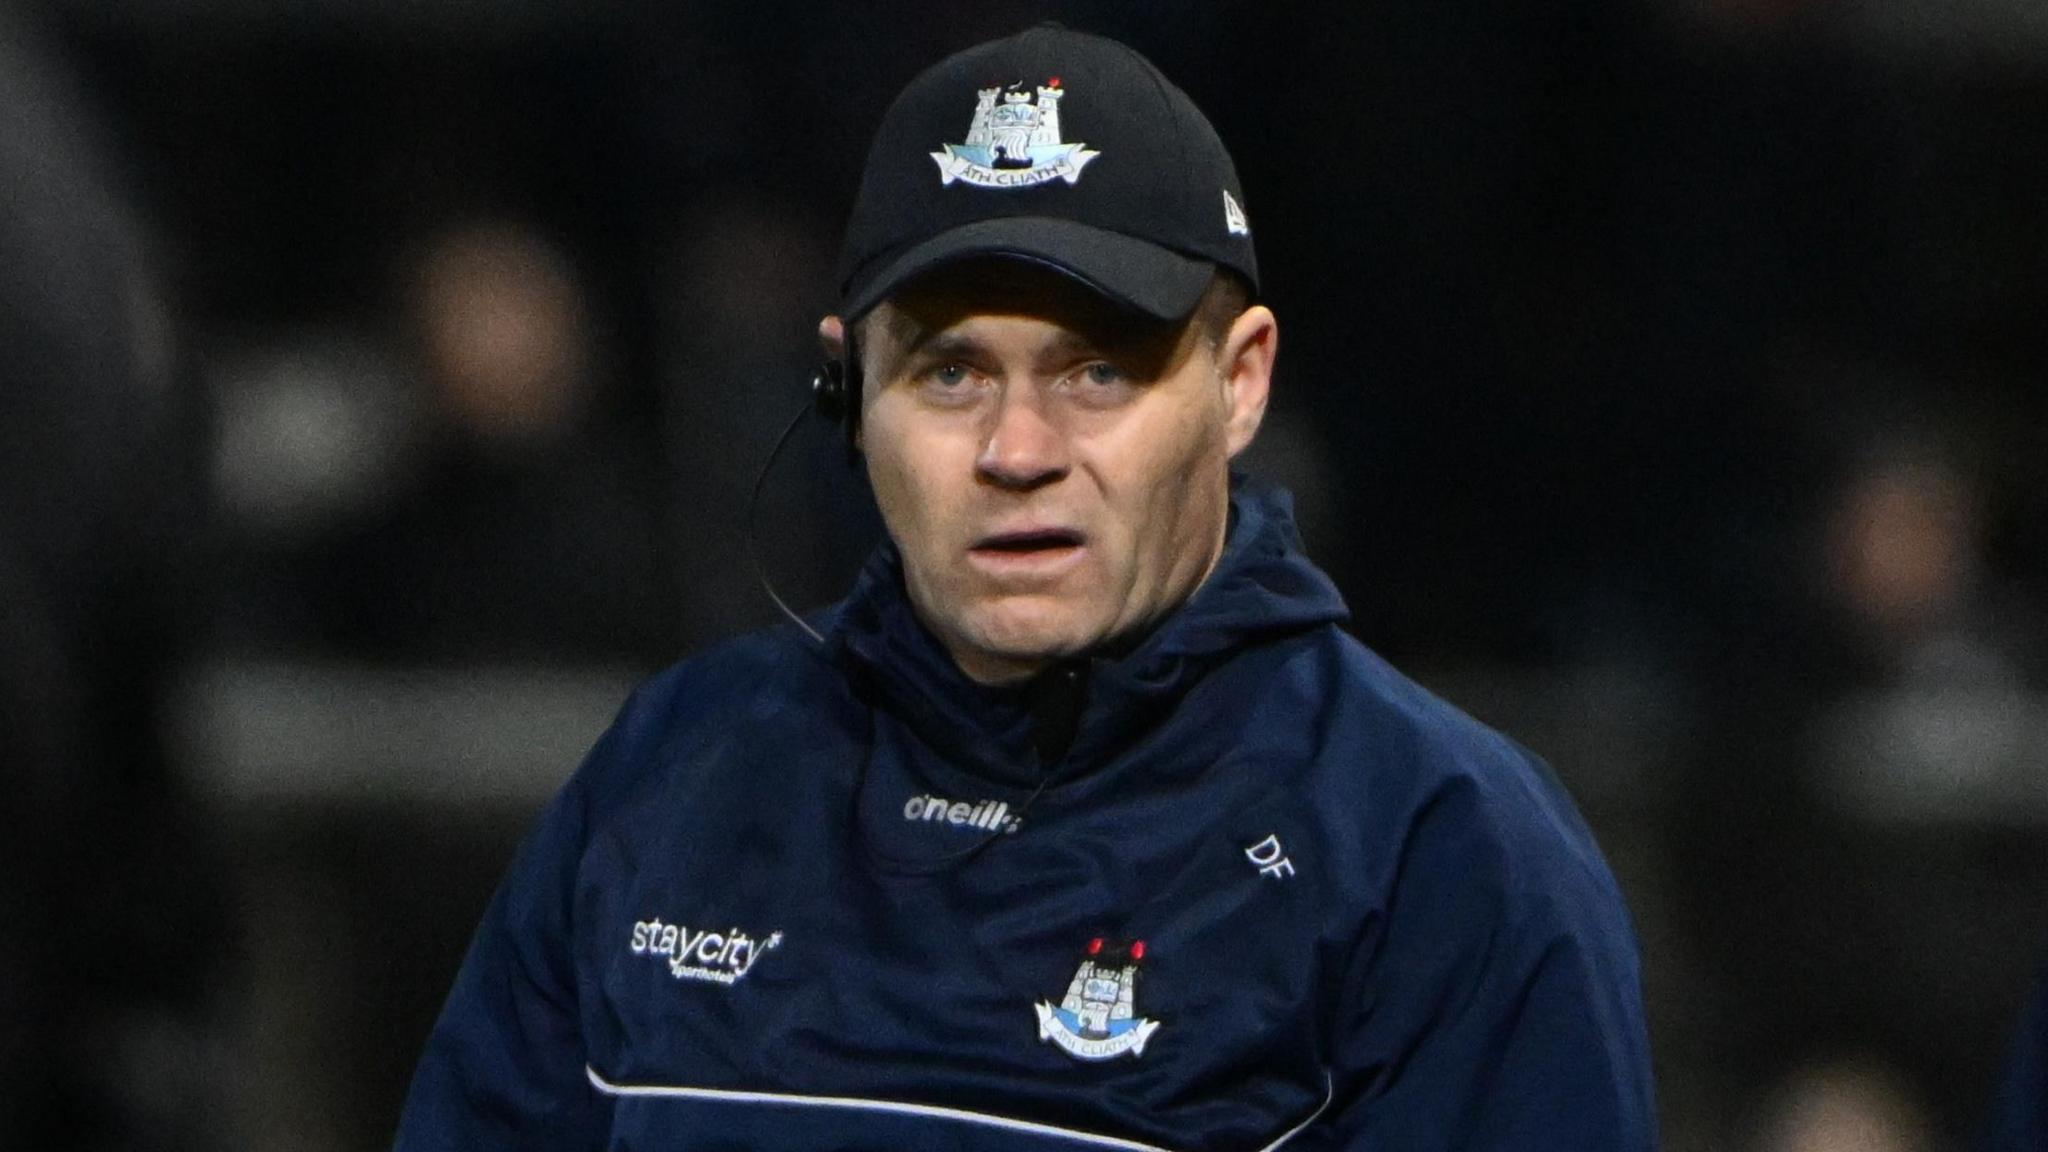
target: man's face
<point>1055,473</point>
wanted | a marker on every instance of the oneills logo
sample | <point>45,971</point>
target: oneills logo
<point>1014,141</point>
<point>988,815</point>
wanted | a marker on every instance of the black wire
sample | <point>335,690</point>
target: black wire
<point>1071,680</point>
<point>753,504</point>
<point>930,865</point>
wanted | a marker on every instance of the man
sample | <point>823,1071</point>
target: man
<point>1081,823</point>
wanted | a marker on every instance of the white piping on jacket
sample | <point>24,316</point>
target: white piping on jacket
<point>932,1111</point>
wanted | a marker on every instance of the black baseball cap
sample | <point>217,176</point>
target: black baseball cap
<point>1057,147</point>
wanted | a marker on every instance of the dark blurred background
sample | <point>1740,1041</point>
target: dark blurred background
<point>382,381</point>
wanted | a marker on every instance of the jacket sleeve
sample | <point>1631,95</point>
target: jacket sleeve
<point>504,1067</point>
<point>2019,1113</point>
<point>1498,1000</point>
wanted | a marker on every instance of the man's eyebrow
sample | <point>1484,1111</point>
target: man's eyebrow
<point>913,340</point>
<point>941,342</point>
<point>953,342</point>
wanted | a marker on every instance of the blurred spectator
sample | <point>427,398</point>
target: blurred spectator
<point>503,336</point>
<point>1905,556</point>
<point>112,925</point>
<point>474,493</point>
<point>1939,717</point>
<point>1845,1106</point>
<point>1860,838</point>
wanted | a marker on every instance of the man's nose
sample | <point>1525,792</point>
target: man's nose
<point>1026,447</point>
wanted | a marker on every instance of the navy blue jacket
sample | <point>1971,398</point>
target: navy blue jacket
<point>2019,1113</point>
<point>1273,892</point>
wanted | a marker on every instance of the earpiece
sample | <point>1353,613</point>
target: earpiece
<point>835,392</point>
<point>828,391</point>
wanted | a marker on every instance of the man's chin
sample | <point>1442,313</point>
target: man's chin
<point>1023,646</point>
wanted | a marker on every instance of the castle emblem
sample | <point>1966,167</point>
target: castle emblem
<point>1014,141</point>
<point>1097,1019</point>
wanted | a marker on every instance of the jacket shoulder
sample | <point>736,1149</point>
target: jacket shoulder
<point>1392,755</point>
<point>769,678</point>
<point>1492,964</point>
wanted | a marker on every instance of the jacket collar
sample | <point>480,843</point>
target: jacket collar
<point>1263,588</point>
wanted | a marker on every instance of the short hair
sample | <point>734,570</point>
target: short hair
<point>1222,302</point>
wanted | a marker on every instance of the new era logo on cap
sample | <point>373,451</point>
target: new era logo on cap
<point>1233,216</point>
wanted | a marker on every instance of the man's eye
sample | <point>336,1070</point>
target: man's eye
<point>949,384</point>
<point>1098,383</point>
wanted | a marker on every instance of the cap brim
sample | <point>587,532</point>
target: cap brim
<point>1135,274</point>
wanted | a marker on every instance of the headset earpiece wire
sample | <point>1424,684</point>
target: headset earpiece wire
<point>753,505</point>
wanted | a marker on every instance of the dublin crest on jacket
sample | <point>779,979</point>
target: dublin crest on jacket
<point>1014,141</point>
<point>1098,1017</point>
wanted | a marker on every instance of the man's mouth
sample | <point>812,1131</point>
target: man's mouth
<point>1031,555</point>
<point>1026,542</point>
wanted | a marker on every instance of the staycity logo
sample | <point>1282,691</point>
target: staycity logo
<point>701,954</point>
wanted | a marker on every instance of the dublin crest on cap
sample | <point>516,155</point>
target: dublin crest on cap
<point>1053,146</point>
<point>1014,142</point>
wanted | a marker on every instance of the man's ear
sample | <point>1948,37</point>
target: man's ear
<point>832,336</point>
<point>1246,361</point>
